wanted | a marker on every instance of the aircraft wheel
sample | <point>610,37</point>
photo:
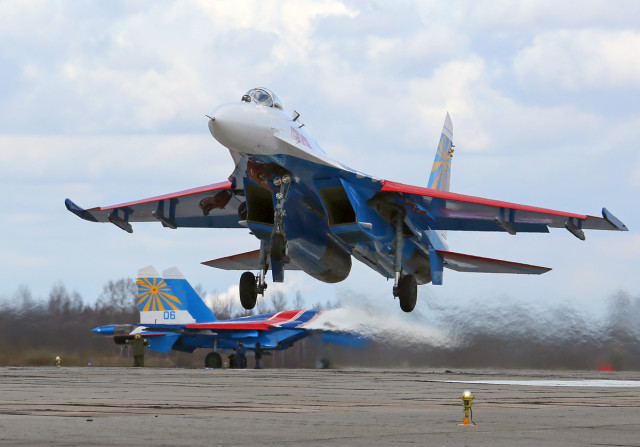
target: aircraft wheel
<point>248,290</point>
<point>213,360</point>
<point>322,364</point>
<point>277,247</point>
<point>408,292</point>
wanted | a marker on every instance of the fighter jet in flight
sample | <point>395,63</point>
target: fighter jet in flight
<point>310,212</point>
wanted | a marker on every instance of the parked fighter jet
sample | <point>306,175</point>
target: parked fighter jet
<point>312,213</point>
<point>173,316</point>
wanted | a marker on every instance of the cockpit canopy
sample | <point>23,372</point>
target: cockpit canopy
<point>264,97</point>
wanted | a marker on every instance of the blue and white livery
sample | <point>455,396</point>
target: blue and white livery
<point>173,316</point>
<point>310,212</point>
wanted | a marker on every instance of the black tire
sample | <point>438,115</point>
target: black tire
<point>408,292</point>
<point>277,247</point>
<point>322,364</point>
<point>248,290</point>
<point>213,360</point>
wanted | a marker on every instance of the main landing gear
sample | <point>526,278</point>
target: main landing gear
<point>276,249</point>
<point>405,287</point>
<point>213,360</point>
<point>407,292</point>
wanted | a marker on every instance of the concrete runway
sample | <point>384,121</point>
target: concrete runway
<point>173,407</point>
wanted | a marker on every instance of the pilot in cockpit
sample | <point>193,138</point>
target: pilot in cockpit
<point>263,97</point>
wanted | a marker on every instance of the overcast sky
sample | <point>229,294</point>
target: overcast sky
<point>105,102</point>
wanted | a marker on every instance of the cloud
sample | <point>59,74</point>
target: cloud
<point>577,59</point>
<point>105,103</point>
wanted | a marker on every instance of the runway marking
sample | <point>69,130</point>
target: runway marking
<point>599,383</point>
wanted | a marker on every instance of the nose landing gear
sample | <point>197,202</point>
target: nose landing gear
<point>275,249</point>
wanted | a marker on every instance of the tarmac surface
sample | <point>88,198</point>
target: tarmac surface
<point>174,407</point>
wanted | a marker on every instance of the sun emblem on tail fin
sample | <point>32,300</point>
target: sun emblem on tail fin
<point>154,295</point>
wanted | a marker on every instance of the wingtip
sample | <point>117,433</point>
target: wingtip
<point>78,211</point>
<point>613,220</point>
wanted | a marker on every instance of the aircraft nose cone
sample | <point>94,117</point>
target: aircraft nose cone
<point>104,330</point>
<point>224,124</point>
<point>241,127</point>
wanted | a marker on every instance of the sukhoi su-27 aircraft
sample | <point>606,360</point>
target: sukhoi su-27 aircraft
<point>310,212</point>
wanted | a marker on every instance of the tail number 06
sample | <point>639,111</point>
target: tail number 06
<point>169,314</point>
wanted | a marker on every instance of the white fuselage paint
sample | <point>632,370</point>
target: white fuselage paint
<point>249,128</point>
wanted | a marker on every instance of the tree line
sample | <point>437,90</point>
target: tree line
<point>34,331</point>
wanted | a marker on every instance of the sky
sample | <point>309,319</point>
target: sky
<point>105,102</point>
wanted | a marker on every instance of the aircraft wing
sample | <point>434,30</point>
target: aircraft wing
<point>289,319</point>
<point>210,206</point>
<point>469,263</point>
<point>244,261</point>
<point>451,211</point>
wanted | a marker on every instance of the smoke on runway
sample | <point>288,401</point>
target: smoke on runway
<point>510,335</point>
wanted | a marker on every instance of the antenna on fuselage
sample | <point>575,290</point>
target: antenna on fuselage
<point>296,115</point>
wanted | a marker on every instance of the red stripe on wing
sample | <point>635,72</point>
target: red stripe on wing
<point>186,192</point>
<point>400,187</point>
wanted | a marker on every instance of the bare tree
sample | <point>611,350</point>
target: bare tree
<point>23,299</point>
<point>120,295</point>
<point>199,288</point>
<point>262,305</point>
<point>222,307</point>
<point>278,301</point>
<point>63,303</point>
<point>299,301</point>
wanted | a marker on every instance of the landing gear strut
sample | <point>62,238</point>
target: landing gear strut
<point>252,286</point>
<point>278,239</point>
<point>404,287</point>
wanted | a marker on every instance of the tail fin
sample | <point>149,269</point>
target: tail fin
<point>170,299</point>
<point>441,170</point>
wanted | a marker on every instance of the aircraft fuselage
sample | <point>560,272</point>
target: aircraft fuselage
<point>326,217</point>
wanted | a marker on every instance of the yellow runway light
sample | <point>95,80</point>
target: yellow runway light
<point>467,400</point>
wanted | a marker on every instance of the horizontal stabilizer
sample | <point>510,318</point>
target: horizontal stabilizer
<point>164,343</point>
<point>244,261</point>
<point>468,263</point>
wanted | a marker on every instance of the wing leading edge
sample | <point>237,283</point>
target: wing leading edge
<point>209,206</point>
<point>451,211</point>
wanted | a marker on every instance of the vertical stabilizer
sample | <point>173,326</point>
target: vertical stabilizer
<point>193,302</point>
<point>169,300</point>
<point>441,170</point>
